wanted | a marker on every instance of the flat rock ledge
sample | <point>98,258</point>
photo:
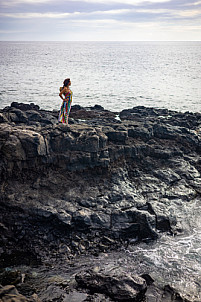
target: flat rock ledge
<point>106,180</point>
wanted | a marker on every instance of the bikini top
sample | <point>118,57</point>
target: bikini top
<point>68,95</point>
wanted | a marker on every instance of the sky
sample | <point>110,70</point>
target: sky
<point>100,20</point>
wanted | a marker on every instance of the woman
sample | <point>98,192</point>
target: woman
<point>66,95</point>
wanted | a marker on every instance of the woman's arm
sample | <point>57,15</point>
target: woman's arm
<point>62,92</point>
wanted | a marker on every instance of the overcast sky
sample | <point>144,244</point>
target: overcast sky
<point>100,20</point>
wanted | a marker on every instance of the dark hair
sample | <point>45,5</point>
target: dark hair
<point>66,82</point>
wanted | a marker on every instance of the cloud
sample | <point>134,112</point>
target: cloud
<point>130,2</point>
<point>101,22</point>
<point>114,12</point>
<point>107,2</point>
<point>6,31</point>
<point>16,2</point>
<point>38,15</point>
<point>188,13</point>
<point>193,3</point>
<point>172,12</point>
<point>62,15</point>
<point>59,15</point>
<point>113,19</point>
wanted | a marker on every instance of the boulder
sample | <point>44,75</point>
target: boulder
<point>25,107</point>
<point>116,134</point>
<point>120,287</point>
<point>9,293</point>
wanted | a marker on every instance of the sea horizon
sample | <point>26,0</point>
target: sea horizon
<point>114,74</point>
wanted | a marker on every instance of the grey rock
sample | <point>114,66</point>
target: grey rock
<point>116,134</point>
<point>122,287</point>
<point>33,115</point>
<point>9,293</point>
<point>3,118</point>
<point>25,107</point>
<point>93,186</point>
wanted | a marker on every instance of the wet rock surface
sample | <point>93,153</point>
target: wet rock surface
<point>105,181</point>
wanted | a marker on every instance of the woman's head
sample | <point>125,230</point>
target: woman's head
<point>67,82</point>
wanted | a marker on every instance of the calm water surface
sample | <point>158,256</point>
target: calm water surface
<point>116,75</point>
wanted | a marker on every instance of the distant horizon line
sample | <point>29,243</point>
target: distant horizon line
<point>100,41</point>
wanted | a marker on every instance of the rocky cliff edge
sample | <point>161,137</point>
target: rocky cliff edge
<point>105,180</point>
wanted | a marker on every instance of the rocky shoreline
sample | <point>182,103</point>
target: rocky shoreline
<point>105,181</point>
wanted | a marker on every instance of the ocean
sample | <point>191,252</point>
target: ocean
<point>116,75</point>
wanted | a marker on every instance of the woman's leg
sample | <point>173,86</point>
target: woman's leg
<point>61,114</point>
<point>68,107</point>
